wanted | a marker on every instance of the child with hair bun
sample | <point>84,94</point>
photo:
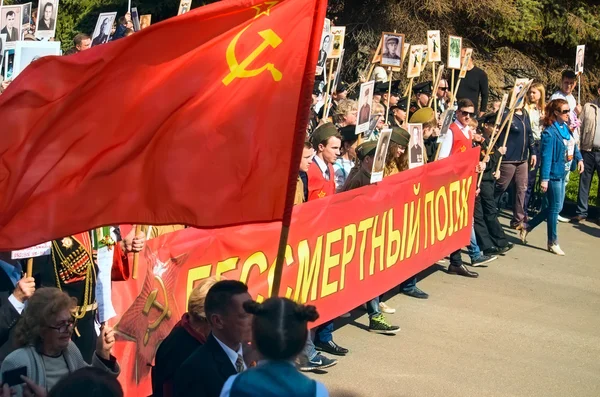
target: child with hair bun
<point>279,330</point>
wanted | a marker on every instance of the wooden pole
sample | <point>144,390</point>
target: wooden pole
<point>374,60</point>
<point>507,123</point>
<point>326,99</point>
<point>387,110</point>
<point>29,267</point>
<point>579,89</point>
<point>456,90</point>
<point>410,85</point>
<point>452,89</point>
<point>433,94</point>
<point>136,255</point>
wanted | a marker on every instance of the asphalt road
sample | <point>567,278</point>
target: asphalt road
<point>528,326</point>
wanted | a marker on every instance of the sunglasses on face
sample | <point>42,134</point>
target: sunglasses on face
<point>564,111</point>
<point>443,88</point>
<point>470,114</point>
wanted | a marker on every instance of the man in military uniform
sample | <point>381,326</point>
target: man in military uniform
<point>72,267</point>
<point>422,93</point>
<point>397,115</point>
<point>391,48</point>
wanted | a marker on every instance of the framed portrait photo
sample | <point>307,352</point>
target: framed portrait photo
<point>519,91</point>
<point>103,27</point>
<point>46,21</point>
<point>434,46</point>
<point>380,155</point>
<point>465,63</point>
<point>579,59</point>
<point>184,6</point>
<point>415,57</point>
<point>415,146</point>
<point>447,118</point>
<point>393,43</point>
<point>365,100</point>
<point>27,52</point>
<point>11,19</point>
<point>26,16</point>
<point>145,20</point>
<point>338,33</point>
<point>135,19</point>
<point>454,50</point>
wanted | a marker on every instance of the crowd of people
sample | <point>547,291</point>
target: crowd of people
<point>226,342</point>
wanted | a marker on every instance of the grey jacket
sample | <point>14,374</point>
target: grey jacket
<point>590,115</point>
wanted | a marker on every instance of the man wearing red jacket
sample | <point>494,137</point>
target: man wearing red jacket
<point>458,140</point>
<point>326,141</point>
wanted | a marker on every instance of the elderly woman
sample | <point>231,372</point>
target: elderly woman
<point>346,113</point>
<point>43,336</point>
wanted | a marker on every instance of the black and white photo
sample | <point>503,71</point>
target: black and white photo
<point>10,22</point>
<point>393,44</point>
<point>364,106</point>
<point>103,26</point>
<point>46,21</point>
<point>415,150</point>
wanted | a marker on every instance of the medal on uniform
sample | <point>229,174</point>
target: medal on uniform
<point>67,242</point>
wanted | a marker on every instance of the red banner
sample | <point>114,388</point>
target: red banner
<point>342,251</point>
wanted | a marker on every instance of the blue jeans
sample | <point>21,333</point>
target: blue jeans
<point>409,285</point>
<point>373,307</point>
<point>474,251</point>
<point>551,206</point>
<point>309,350</point>
<point>324,333</point>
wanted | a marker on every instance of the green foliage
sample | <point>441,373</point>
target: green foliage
<point>573,188</point>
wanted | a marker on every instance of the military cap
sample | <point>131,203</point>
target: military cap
<point>365,149</point>
<point>422,116</point>
<point>402,104</point>
<point>348,133</point>
<point>488,118</point>
<point>323,132</point>
<point>400,136</point>
<point>341,87</point>
<point>423,88</point>
<point>380,88</point>
<point>392,38</point>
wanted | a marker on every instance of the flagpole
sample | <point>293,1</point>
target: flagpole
<point>579,89</point>
<point>29,267</point>
<point>387,113</point>
<point>136,255</point>
<point>507,123</point>
<point>129,6</point>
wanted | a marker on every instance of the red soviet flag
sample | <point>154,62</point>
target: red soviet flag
<point>189,121</point>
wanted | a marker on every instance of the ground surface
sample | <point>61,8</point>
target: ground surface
<point>528,326</point>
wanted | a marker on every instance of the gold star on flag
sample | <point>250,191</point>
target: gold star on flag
<point>264,8</point>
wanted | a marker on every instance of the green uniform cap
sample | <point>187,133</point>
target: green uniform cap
<point>400,136</point>
<point>323,132</point>
<point>365,149</point>
<point>423,116</point>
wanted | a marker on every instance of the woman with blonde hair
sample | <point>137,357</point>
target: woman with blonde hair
<point>187,335</point>
<point>535,103</point>
<point>345,113</point>
<point>43,336</point>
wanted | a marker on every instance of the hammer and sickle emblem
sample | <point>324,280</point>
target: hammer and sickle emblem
<point>151,302</point>
<point>238,70</point>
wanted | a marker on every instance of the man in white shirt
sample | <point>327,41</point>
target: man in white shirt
<point>15,290</point>
<point>205,372</point>
<point>568,83</point>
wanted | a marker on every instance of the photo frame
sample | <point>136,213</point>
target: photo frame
<point>365,101</point>
<point>9,63</point>
<point>103,27</point>
<point>11,19</point>
<point>26,19</point>
<point>416,146</point>
<point>414,61</point>
<point>135,19</point>
<point>518,92</point>
<point>2,49</point>
<point>184,7</point>
<point>454,52</point>
<point>337,46</point>
<point>447,118</point>
<point>392,45</point>
<point>465,63</point>
<point>380,155</point>
<point>501,109</point>
<point>27,52</point>
<point>47,18</point>
<point>434,47</point>
<point>325,48</point>
<point>145,21</point>
<point>579,59</point>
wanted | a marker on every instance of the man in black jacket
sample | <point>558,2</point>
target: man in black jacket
<point>473,86</point>
<point>207,370</point>
<point>14,292</point>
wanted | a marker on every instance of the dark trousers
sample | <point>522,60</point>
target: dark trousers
<point>532,178</point>
<point>484,241</point>
<point>490,225</point>
<point>591,161</point>
<point>456,258</point>
<point>324,332</point>
<point>86,342</point>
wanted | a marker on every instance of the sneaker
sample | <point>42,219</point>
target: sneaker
<point>379,324</point>
<point>482,260</point>
<point>386,309</point>
<point>331,347</point>
<point>555,249</point>
<point>563,219</point>
<point>318,363</point>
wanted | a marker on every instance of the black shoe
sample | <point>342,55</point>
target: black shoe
<point>462,270</point>
<point>318,363</point>
<point>332,348</point>
<point>578,219</point>
<point>482,260</point>
<point>506,248</point>
<point>416,293</point>
<point>492,251</point>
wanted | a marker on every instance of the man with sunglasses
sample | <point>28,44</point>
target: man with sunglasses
<point>458,140</point>
<point>442,96</point>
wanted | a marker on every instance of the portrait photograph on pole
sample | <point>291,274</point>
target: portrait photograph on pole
<point>46,21</point>
<point>392,47</point>
<point>103,27</point>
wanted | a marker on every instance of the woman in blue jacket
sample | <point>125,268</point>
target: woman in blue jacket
<point>558,149</point>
